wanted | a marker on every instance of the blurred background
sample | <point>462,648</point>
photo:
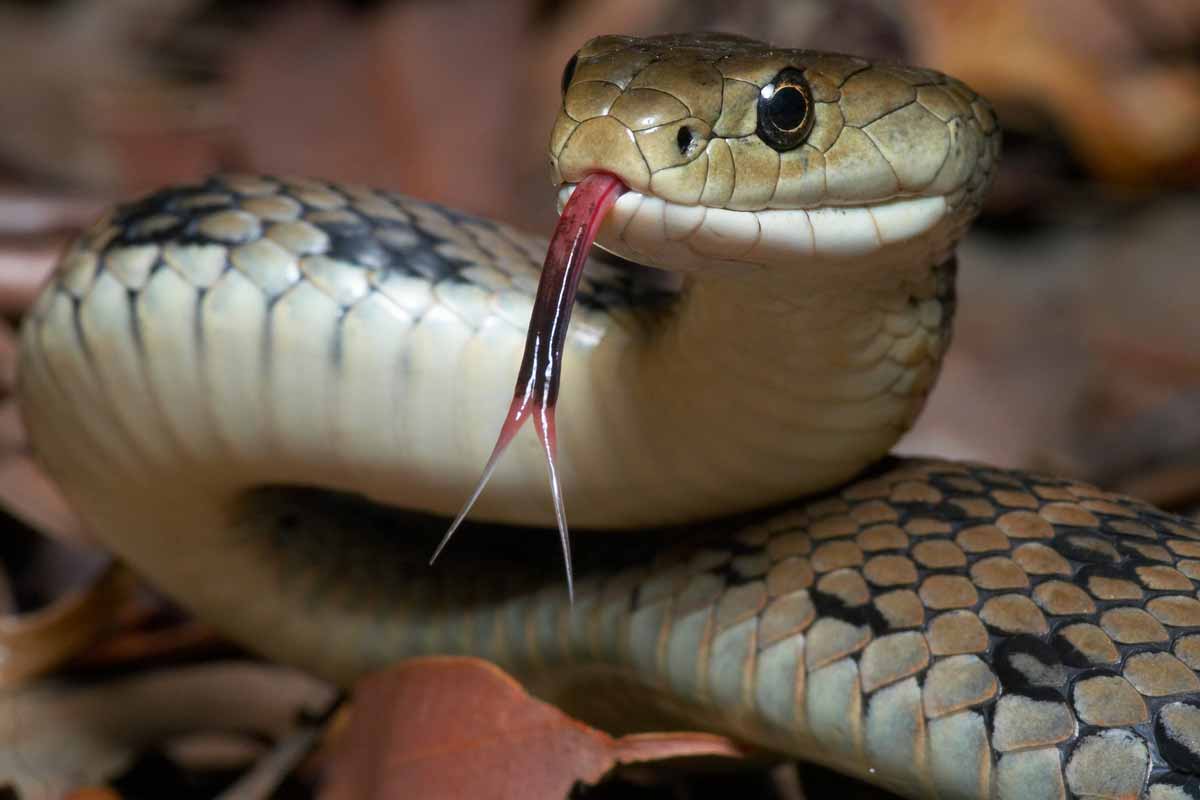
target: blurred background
<point>1078,338</point>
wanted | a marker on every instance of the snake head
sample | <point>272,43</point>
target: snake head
<point>742,153</point>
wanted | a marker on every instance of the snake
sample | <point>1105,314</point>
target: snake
<point>269,395</point>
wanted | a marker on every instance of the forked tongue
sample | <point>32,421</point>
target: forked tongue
<point>536,391</point>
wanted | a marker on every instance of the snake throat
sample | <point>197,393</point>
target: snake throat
<point>536,393</point>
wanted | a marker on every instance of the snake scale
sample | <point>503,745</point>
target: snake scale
<point>238,383</point>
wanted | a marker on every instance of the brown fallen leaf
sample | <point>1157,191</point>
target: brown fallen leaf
<point>35,643</point>
<point>141,644</point>
<point>1130,118</point>
<point>93,793</point>
<point>461,727</point>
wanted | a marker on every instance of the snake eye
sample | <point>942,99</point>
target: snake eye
<point>785,110</point>
<point>569,72</point>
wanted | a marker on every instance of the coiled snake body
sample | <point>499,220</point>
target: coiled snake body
<point>235,381</point>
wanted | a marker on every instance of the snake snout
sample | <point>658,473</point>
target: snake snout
<point>601,144</point>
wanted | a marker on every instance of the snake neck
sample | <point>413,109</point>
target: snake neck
<point>762,385</point>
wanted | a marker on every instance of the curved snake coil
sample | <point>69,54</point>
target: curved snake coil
<point>236,383</point>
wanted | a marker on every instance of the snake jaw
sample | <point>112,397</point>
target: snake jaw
<point>536,392</point>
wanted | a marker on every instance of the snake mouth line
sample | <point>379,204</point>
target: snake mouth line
<point>694,238</point>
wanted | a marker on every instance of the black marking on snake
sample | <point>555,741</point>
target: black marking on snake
<point>1131,552</point>
<point>425,263</point>
<point>1160,764</point>
<point>337,340</point>
<point>352,240</point>
<point>129,216</point>
<point>1178,748</point>
<point>1067,653</point>
<point>1106,571</point>
<point>77,325</point>
<point>1035,694</point>
<point>135,322</point>
<point>198,336</point>
<point>829,605</point>
<point>362,249</point>
<point>1087,548</point>
<point>1026,662</point>
<point>383,245</point>
<point>1188,785</point>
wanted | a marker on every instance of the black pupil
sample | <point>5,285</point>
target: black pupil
<point>788,108</point>
<point>569,72</point>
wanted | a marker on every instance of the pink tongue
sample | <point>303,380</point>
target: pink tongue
<point>537,381</point>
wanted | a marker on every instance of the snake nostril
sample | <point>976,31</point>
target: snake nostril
<point>684,139</point>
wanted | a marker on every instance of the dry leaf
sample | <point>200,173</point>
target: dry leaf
<point>461,727</point>
<point>1129,118</point>
<point>56,737</point>
<point>35,643</point>
<point>93,793</point>
<point>143,643</point>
